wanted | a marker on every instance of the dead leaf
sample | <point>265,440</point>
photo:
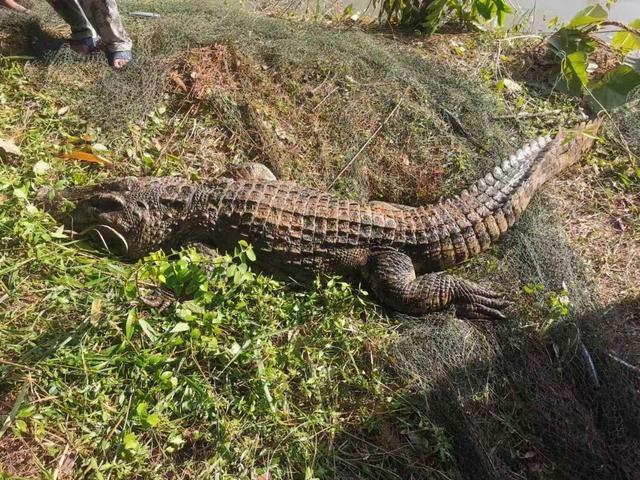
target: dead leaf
<point>86,157</point>
<point>62,111</point>
<point>175,77</point>
<point>96,311</point>
<point>10,147</point>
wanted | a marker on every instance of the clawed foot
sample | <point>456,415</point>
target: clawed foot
<point>159,299</point>
<point>478,303</point>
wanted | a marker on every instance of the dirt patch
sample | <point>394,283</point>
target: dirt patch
<point>603,229</point>
<point>199,72</point>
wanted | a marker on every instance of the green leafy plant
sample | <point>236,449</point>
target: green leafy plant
<point>430,15</point>
<point>575,43</point>
<point>556,305</point>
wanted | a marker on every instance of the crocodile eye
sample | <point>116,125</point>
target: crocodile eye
<point>107,203</point>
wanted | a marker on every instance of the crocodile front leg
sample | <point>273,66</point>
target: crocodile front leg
<point>392,278</point>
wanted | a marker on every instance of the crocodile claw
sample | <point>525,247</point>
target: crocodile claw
<point>478,311</point>
<point>479,303</point>
<point>159,298</point>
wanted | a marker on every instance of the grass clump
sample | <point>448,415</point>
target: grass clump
<point>238,378</point>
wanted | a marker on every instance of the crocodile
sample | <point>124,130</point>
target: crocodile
<point>400,253</point>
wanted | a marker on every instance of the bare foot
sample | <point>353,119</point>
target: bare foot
<point>119,63</point>
<point>118,60</point>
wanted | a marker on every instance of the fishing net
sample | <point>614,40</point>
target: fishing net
<point>536,397</point>
<point>627,122</point>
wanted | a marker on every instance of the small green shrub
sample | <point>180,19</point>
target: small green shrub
<point>575,43</point>
<point>430,15</point>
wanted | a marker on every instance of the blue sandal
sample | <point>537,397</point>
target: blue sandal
<point>122,55</point>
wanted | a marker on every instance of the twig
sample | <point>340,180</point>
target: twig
<point>324,99</point>
<point>526,115</point>
<point>61,461</point>
<point>17,365</point>
<point>611,355</point>
<point>366,144</point>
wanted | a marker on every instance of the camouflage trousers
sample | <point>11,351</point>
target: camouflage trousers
<point>90,17</point>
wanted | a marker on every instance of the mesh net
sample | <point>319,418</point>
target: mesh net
<point>527,399</point>
<point>627,122</point>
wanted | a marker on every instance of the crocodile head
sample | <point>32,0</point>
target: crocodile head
<point>129,216</point>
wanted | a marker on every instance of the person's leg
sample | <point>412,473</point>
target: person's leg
<point>82,33</point>
<point>105,18</point>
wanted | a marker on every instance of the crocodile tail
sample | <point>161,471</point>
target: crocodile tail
<point>471,222</point>
<point>566,149</point>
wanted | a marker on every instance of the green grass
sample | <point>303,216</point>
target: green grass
<point>239,377</point>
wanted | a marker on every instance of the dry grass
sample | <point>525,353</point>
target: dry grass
<point>604,231</point>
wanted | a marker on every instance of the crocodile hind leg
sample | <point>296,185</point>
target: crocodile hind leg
<point>392,278</point>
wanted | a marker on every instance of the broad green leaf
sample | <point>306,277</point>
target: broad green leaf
<point>132,319</point>
<point>180,327</point>
<point>614,88</point>
<point>193,306</point>
<point>147,329</point>
<point>21,193</point>
<point>502,8</point>
<point>627,41</point>
<point>152,420</point>
<point>59,232</point>
<point>591,15</point>
<point>21,426</point>
<point>569,40</point>
<point>141,409</point>
<point>130,442</point>
<point>574,72</point>
<point>484,9</point>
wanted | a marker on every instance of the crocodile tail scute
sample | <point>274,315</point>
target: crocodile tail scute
<point>473,221</point>
<point>567,148</point>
